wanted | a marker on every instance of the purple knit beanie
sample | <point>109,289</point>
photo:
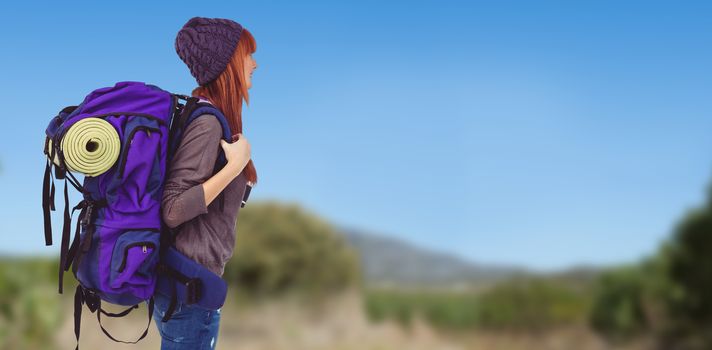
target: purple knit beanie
<point>206,45</point>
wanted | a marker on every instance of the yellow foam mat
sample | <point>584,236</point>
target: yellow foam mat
<point>91,146</point>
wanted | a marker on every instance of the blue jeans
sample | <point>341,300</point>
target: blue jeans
<point>190,327</point>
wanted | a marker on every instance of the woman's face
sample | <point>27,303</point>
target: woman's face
<point>250,66</point>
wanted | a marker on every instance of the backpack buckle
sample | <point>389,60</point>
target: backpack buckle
<point>91,299</point>
<point>192,290</point>
<point>87,216</point>
<point>90,205</point>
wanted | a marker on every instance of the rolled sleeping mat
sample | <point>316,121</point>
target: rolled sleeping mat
<point>91,146</point>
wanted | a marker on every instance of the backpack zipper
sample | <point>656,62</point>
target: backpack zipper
<point>144,249</point>
<point>127,145</point>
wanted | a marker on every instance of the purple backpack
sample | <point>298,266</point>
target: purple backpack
<point>122,252</point>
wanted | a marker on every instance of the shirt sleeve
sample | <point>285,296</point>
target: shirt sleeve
<point>193,163</point>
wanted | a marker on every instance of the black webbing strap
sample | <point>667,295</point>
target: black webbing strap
<point>193,285</point>
<point>65,238</point>
<point>187,110</point>
<point>51,193</point>
<point>45,203</point>
<point>172,306</point>
<point>73,180</point>
<point>82,296</point>
<point>119,314</point>
<point>85,219</point>
<point>178,122</point>
<point>72,253</point>
<point>48,192</point>
<point>78,302</point>
<point>193,288</point>
<point>143,335</point>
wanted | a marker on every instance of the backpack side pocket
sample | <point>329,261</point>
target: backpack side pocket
<point>134,259</point>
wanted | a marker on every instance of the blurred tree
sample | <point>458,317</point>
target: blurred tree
<point>669,294</point>
<point>689,305</point>
<point>281,248</point>
<point>618,309</point>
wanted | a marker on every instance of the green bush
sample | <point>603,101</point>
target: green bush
<point>281,248</point>
<point>384,304</point>
<point>532,304</point>
<point>515,305</point>
<point>30,307</point>
<point>618,309</point>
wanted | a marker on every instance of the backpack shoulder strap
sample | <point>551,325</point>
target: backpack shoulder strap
<point>206,108</point>
<point>185,114</point>
<point>193,109</point>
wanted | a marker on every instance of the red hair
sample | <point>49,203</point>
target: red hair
<point>229,90</point>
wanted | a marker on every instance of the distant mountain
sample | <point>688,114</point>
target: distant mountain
<point>390,261</point>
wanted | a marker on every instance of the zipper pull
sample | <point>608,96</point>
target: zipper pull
<point>144,249</point>
<point>148,133</point>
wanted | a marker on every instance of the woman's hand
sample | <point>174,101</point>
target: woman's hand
<point>237,153</point>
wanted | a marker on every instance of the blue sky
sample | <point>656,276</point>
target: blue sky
<point>545,134</point>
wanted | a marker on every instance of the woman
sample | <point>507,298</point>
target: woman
<point>218,53</point>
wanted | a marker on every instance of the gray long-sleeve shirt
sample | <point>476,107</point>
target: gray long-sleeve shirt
<point>207,235</point>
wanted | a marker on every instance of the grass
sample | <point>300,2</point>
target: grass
<point>514,305</point>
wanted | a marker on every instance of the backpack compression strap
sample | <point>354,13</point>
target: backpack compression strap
<point>85,296</point>
<point>47,183</point>
<point>66,253</point>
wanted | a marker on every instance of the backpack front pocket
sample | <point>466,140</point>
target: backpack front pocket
<point>134,258</point>
<point>141,145</point>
